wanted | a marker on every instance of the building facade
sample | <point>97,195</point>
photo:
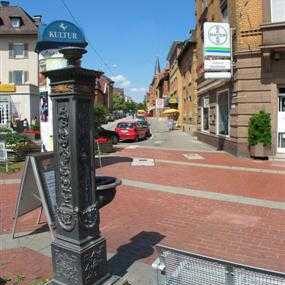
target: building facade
<point>187,65</point>
<point>19,94</point>
<point>175,99</point>
<point>225,106</point>
<point>104,92</point>
<point>158,94</point>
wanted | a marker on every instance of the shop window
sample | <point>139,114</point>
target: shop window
<point>277,11</point>
<point>223,114</point>
<point>205,114</point>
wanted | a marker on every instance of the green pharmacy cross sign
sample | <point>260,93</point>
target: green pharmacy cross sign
<point>60,34</point>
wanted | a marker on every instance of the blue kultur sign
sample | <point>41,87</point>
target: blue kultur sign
<point>60,34</point>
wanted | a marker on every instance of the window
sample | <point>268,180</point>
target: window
<point>277,11</point>
<point>18,50</point>
<point>18,77</point>
<point>205,114</point>
<point>204,4</point>
<point>224,10</point>
<point>16,22</point>
<point>223,114</point>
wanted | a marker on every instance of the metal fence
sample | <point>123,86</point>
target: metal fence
<point>175,267</point>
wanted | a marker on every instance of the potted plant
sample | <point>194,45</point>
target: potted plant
<point>259,134</point>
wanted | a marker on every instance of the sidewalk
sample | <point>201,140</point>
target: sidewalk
<point>233,214</point>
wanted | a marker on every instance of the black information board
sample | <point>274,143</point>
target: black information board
<point>38,188</point>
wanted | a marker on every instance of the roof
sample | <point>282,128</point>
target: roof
<point>28,26</point>
<point>186,46</point>
<point>173,48</point>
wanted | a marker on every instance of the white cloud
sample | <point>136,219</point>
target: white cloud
<point>138,90</point>
<point>121,80</point>
<point>114,65</point>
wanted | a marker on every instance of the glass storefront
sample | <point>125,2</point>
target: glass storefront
<point>205,114</point>
<point>223,109</point>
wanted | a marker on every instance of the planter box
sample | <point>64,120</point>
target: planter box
<point>259,151</point>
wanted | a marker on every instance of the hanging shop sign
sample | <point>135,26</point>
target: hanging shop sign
<point>159,103</point>
<point>7,88</point>
<point>217,50</point>
<point>60,34</point>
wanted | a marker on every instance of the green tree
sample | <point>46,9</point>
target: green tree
<point>119,103</point>
<point>100,115</point>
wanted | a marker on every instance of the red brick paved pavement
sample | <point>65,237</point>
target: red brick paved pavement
<point>249,184</point>
<point>219,158</point>
<point>137,219</point>
<point>26,263</point>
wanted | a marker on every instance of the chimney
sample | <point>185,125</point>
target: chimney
<point>37,19</point>
<point>4,3</point>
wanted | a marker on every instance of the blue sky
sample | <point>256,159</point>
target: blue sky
<point>128,34</point>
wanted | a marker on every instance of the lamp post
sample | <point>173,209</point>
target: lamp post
<point>79,250</point>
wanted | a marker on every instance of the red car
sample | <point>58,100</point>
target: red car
<point>131,131</point>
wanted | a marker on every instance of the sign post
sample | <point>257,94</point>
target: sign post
<point>217,50</point>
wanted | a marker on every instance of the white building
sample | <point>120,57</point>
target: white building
<point>19,94</point>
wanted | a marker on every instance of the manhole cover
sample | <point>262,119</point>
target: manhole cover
<point>143,162</point>
<point>193,156</point>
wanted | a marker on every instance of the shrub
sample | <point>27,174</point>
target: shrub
<point>259,130</point>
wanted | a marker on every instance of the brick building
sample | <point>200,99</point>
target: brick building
<point>158,89</point>
<point>175,99</point>
<point>104,92</point>
<point>224,107</point>
<point>187,65</point>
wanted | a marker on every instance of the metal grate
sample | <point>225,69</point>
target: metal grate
<point>184,268</point>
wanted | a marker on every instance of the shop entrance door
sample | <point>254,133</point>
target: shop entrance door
<point>281,125</point>
<point>4,113</point>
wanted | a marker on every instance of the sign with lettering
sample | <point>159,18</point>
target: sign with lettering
<point>7,88</point>
<point>38,188</point>
<point>217,50</point>
<point>60,34</point>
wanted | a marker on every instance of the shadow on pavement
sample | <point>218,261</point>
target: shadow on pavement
<point>43,228</point>
<point>139,247</point>
<point>113,160</point>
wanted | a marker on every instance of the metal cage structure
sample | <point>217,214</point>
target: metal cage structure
<point>176,267</point>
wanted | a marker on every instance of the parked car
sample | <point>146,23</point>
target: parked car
<point>144,124</point>
<point>131,131</point>
<point>103,133</point>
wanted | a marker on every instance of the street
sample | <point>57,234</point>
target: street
<point>236,214</point>
<point>163,138</point>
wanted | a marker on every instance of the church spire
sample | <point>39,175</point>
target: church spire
<point>157,69</point>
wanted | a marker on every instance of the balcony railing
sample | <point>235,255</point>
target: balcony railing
<point>177,267</point>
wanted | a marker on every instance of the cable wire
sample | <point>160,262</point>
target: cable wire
<point>90,43</point>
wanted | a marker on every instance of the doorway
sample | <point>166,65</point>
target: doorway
<point>281,124</point>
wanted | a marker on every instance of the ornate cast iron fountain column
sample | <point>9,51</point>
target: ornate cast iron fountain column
<point>79,251</point>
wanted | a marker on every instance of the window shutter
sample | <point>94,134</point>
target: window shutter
<point>11,54</point>
<point>26,50</point>
<point>10,76</point>
<point>26,76</point>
